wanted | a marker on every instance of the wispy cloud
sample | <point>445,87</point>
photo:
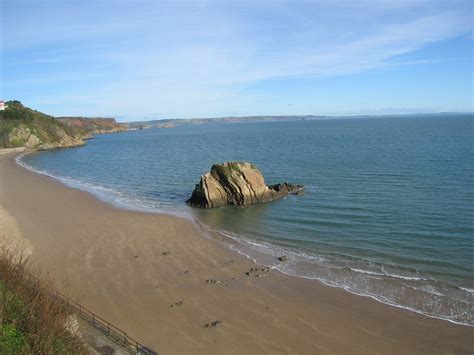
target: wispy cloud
<point>197,58</point>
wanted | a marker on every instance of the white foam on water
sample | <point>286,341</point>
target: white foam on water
<point>432,290</point>
<point>409,278</point>
<point>367,272</point>
<point>290,267</point>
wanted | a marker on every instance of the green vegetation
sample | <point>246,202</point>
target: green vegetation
<point>225,171</point>
<point>12,341</point>
<point>230,172</point>
<point>33,320</point>
<point>46,128</point>
<point>18,142</point>
<point>235,167</point>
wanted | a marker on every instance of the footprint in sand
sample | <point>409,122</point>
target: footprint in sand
<point>176,304</point>
<point>212,324</point>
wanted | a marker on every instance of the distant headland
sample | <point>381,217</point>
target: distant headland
<point>175,122</point>
<point>21,126</point>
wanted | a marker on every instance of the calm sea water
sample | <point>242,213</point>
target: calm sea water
<point>388,211</point>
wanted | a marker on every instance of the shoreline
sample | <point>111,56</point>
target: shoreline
<point>236,244</point>
<point>310,317</point>
<point>77,185</point>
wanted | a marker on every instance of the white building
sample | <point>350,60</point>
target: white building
<point>2,105</point>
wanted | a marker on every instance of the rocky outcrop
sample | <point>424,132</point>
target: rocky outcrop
<point>239,184</point>
<point>19,135</point>
<point>62,140</point>
<point>21,126</point>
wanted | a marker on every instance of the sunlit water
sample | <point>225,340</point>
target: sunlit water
<point>388,210</point>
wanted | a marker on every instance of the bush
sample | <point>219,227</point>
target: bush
<point>12,340</point>
<point>33,319</point>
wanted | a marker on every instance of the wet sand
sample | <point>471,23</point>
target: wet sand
<point>129,267</point>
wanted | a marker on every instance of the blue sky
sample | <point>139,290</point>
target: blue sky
<point>159,59</point>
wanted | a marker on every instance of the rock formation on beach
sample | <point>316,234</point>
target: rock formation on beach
<point>239,184</point>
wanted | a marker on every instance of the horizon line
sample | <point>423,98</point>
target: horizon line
<point>320,116</point>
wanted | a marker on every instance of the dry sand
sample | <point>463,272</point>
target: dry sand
<point>130,267</point>
<point>10,235</point>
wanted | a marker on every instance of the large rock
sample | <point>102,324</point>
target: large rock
<point>237,183</point>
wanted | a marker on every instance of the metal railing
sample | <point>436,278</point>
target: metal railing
<point>117,335</point>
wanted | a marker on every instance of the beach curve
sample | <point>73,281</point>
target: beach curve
<point>131,266</point>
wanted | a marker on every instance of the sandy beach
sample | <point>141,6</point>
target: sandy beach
<point>130,267</point>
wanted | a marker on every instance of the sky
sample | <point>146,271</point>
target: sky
<point>182,59</point>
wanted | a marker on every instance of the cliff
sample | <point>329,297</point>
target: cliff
<point>239,184</point>
<point>21,126</point>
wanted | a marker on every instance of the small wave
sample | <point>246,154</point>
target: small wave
<point>71,182</point>
<point>20,162</point>
<point>432,290</point>
<point>384,300</point>
<point>368,272</point>
<point>470,290</point>
<point>429,289</point>
<point>409,278</point>
<point>395,276</point>
<point>258,244</point>
<point>404,277</point>
<point>273,250</point>
<point>326,267</point>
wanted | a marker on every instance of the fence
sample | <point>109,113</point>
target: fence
<point>119,337</point>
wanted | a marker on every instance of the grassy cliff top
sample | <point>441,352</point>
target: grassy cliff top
<point>19,118</point>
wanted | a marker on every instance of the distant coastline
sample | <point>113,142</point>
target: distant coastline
<point>174,122</point>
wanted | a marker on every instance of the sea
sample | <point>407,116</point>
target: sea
<point>388,209</point>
